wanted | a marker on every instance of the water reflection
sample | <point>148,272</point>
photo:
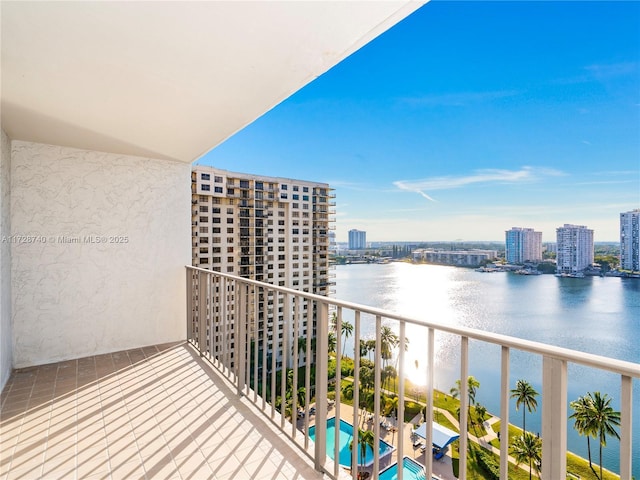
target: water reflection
<point>596,315</point>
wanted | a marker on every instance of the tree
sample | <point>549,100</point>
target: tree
<point>605,419</point>
<point>393,404</point>
<point>333,321</point>
<point>472,388</point>
<point>388,373</point>
<point>347,391</point>
<point>346,330</point>
<point>583,420</point>
<point>301,397</point>
<point>388,341</point>
<point>331,342</point>
<point>365,438</point>
<point>525,396</point>
<point>527,448</point>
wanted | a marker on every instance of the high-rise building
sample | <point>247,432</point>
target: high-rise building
<point>357,239</point>
<point>575,248</point>
<point>630,240</point>
<point>274,230</point>
<point>523,245</point>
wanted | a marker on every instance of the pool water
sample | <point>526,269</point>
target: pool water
<point>411,470</point>
<point>346,435</point>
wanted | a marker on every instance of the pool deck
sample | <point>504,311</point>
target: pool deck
<point>441,468</point>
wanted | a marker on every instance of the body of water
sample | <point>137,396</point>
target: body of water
<point>594,314</point>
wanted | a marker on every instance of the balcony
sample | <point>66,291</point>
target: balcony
<point>250,370</point>
<point>153,412</point>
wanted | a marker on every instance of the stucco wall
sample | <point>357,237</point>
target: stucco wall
<point>6,335</point>
<point>105,271</point>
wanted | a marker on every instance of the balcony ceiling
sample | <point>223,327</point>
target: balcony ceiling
<point>168,80</point>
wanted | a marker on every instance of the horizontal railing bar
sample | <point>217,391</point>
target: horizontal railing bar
<point>560,353</point>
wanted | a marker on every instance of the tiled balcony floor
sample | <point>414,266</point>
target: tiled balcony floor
<point>157,412</point>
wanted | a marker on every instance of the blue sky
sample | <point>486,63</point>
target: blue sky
<point>466,119</point>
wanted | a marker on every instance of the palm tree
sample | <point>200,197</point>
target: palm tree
<point>301,397</point>
<point>331,342</point>
<point>527,448</point>
<point>347,391</point>
<point>388,341</point>
<point>371,347</point>
<point>347,331</point>
<point>472,388</point>
<point>392,405</point>
<point>525,395</point>
<point>388,373</point>
<point>365,438</point>
<point>583,420</point>
<point>333,321</point>
<point>605,418</point>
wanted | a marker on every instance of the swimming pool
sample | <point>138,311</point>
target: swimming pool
<point>411,470</point>
<point>346,434</point>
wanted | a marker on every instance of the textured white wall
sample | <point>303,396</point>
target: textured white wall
<point>6,335</point>
<point>105,269</point>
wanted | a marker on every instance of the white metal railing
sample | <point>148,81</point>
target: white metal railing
<point>230,320</point>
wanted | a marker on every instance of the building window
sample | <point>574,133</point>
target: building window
<point>206,188</point>
<point>229,220</point>
<point>283,187</point>
<point>215,201</point>
<point>215,219</point>
<point>259,186</point>
<point>205,176</point>
<point>305,189</point>
<point>230,230</point>
<point>204,261</point>
<point>229,249</point>
<point>296,196</point>
<point>229,259</point>
<point>244,183</point>
<point>229,269</point>
<point>218,189</point>
<point>230,191</point>
<point>283,196</point>
<point>295,205</point>
<point>215,230</point>
<point>216,259</point>
<point>204,208</point>
<point>305,198</point>
<point>204,220</point>
<point>217,179</point>
<point>204,229</point>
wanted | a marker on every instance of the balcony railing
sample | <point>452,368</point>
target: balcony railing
<point>228,321</point>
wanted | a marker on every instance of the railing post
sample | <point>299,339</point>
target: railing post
<point>241,339</point>
<point>202,312</point>
<point>504,414</point>
<point>190,333</point>
<point>429,416</point>
<point>626,415</point>
<point>376,397</point>
<point>464,405</point>
<point>400,417</point>
<point>322,322</point>
<point>554,418</point>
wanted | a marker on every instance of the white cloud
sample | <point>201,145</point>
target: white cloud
<point>487,176</point>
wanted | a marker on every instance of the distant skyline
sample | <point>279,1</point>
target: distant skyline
<point>468,119</point>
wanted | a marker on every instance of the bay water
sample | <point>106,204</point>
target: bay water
<point>595,315</point>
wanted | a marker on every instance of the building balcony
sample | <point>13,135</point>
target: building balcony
<point>153,412</point>
<point>245,368</point>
